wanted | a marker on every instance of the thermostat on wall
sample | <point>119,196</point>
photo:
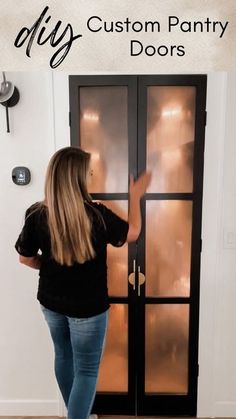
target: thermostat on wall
<point>21,175</point>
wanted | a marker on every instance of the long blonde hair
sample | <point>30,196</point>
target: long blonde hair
<point>65,197</point>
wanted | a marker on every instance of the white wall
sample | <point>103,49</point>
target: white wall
<point>217,379</point>
<point>27,384</point>
<point>39,125</point>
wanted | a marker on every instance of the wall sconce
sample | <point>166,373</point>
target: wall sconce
<point>9,96</point>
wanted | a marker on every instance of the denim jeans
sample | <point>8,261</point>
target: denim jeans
<point>78,347</point>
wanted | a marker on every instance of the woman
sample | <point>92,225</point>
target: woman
<point>72,233</point>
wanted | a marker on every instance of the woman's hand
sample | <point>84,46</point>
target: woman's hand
<point>138,188</point>
<point>33,262</point>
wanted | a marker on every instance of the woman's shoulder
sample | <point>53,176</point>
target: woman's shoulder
<point>35,209</point>
<point>97,205</point>
<point>96,211</point>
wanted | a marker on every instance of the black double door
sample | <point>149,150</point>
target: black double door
<point>129,124</point>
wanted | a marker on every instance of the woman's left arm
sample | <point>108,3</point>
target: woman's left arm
<point>33,262</point>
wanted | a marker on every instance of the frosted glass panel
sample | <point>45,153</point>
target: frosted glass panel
<point>113,374</point>
<point>170,137</point>
<point>104,133</point>
<point>117,257</point>
<point>166,357</point>
<point>168,247</point>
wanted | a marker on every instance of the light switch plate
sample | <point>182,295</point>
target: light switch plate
<point>229,237</point>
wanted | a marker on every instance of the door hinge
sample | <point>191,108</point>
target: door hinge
<point>201,245</point>
<point>70,119</point>
<point>198,370</point>
<point>205,118</point>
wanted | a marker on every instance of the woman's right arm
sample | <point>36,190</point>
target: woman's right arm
<point>136,190</point>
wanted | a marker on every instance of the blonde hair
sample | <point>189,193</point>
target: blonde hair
<point>65,197</point>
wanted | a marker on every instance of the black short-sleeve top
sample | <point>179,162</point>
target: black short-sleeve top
<point>79,290</point>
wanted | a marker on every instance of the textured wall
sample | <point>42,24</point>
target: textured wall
<point>104,51</point>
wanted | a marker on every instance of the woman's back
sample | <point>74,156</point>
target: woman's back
<point>79,290</point>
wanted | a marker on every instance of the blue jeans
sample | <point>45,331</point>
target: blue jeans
<point>78,347</point>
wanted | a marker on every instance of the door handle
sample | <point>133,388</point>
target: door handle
<point>141,280</point>
<point>132,275</point>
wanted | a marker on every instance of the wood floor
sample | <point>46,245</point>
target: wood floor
<point>102,417</point>
<point>106,417</point>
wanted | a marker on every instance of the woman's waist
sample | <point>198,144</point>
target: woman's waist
<point>73,286</point>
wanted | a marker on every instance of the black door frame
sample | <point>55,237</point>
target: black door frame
<point>137,105</point>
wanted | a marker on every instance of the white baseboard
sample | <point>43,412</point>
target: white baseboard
<point>62,408</point>
<point>25,407</point>
<point>225,409</point>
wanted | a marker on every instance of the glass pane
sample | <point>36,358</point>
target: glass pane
<point>168,247</point>
<point>117,257</point>
<point>113,373</point>
<point>166,345</point>
<point>104,133</point>
<point>170,137</point>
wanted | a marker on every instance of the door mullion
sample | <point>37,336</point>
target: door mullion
<point>140,331</point>
<point>132,248</point>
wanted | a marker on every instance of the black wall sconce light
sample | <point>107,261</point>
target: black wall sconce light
<point>9,96</point>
